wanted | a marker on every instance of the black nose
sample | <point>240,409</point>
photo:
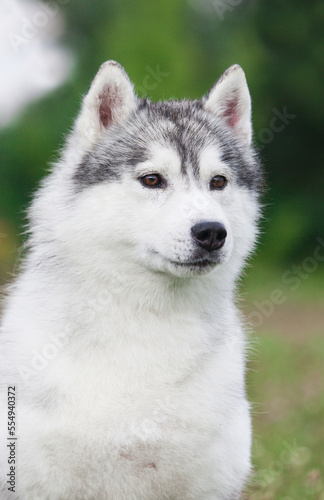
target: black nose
<point>209,235</point>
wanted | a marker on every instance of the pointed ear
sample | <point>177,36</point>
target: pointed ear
<point>110,101</point>
<point>230,101</point>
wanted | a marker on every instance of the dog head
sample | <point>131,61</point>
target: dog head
<point>172,186</point>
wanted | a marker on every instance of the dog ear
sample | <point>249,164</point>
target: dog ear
<point>230,100</point>
<point>110,101</point>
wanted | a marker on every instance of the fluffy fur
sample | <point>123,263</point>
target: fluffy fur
<point>121,333</point>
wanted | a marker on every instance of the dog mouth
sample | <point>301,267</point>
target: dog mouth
<point>197,264</point>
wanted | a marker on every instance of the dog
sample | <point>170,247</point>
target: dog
<point>120,337</point>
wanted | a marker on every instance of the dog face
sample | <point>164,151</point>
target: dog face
<point>173,185</point>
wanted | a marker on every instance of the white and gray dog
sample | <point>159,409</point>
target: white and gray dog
<point>120,337</point>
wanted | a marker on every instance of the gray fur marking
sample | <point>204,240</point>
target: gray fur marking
<point>185,126</point>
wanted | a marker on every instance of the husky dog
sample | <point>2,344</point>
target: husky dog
<point>121,336</point>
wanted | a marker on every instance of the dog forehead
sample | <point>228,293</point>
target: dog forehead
<point>165,157</point>
<point>175,140</point>
<point>211,158</point>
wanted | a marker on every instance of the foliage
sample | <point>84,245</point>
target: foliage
<point>278,44</point>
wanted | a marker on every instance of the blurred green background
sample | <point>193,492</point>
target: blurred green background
<point>178,48</point>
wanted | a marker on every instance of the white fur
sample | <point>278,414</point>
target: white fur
<point>130,372</point>
<point>88,125</point>
<point>232,87</point>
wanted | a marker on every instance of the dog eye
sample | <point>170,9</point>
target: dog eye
<point>218,182</point>
<point>152,180</point>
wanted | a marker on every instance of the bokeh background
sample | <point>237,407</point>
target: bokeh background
<point>49,53</point>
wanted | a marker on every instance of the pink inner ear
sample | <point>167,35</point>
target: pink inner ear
<point>231,112</point>
<point>109,101</point>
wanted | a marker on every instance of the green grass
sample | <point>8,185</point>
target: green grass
<point>306,287</point>
<point>286,386</point>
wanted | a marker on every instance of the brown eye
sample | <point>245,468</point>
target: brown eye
<point>152,180</point>
<point>218,182</point>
